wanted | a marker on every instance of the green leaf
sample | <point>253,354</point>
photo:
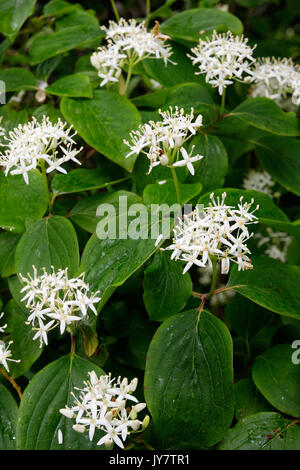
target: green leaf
<point>8,243</point>
<point>49,242</point>
<point>17,78</point>
<point>84,212</point>
<point>109,262</point>
<point>46,45</point>
<point>245,317</point>
<point>166,289</point>
<point>185,95</point>
<point>21,203</point>
<point>104,122</point>
<point>83,180</point>
<point>8,419</point>
<point>171,75</point>
<point>58,8</point>
<point>263,431</point>
<point>264,114</point>
<point>280,157</point>
<point>77,85</point>
<point>278,379</point>
<point>271,284</point>
<point>166,194</point>
<point>13,13</point>
<point>267,207</point>
<point>50,390</point>
<point>185,26</point>
<point>211,170</point>
<point>188,380</point>
<point>23,346</point>
<point>248,400</point>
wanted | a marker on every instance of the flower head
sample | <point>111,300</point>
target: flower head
<point>223,58</point>
<point>278,79</point>
<point>259,181</point>
<point>217,230</point>
<point>57,300</point>
<point>127,44</point>
<point>5,352</point>
<point>102,405</point>
<point>162,141</point>
<point>276,244</point>
<point>31,143</point>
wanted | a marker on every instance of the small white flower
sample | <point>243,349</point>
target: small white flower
<point>30,144</point>
<point>127,44</point>
<point>57,297</point>
<point>60,437</point>
<point>223,58</point>
<point>219,231</point>
<point>162,141</point>
<point>5,354</point>
<point>276,243</point>
<point>259,181</point>
<point>278,79</point>
<point>102,405</point>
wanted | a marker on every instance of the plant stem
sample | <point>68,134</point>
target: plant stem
<point>214,276</point>
<point>44,175</point>
<point>176,184</point>
<point>115,10</point>
<point>11,380</point>
<point>148,11</point>
<point>223,102</point>
<point>127,79</point>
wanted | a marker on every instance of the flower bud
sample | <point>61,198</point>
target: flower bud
<point>164,160</point>
<point>68,413</point>
<point>78,428</point>
<point>145,422</point>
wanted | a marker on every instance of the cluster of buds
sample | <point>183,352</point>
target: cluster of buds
<point>162,141</point>
<point>259,181</point>
<point>218,231</point>
<point>56,298</point>
<point>276,244</point>
<point>127,44</point>
<point>36,144</point>
<point>102,405</point>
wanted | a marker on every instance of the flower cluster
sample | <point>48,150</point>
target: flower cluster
<point>102,405</point>
<point>277,79</point>
<point>35,143</point>
<point>127,44</point>
<point>57,298</point>
<point>223,58</point>
<point>259,181</point>
<point>276,243</point>
<point>162,141</point>
<point>218,231</point>
<point>5,353</point>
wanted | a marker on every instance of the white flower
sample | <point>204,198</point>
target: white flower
<point>219,231</point>
<point>278,79</point>
<point>2,328</point>
<point>56,297</point>
<point>127,44</point>
<point>102,405</point>
<point>32,143</point>
<point>223,58</point>
<point>162,141</point>
<point>259,181</point>
<point>276,243</point>
<point>5,354</point>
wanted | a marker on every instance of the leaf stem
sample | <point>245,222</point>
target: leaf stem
<point>11,380</point>
<point>148,11</point>
<point>214,276</point>
<point>129,73</point>
<point>115,10</point>
<point>176,184</point>
<point>223,102</point>
<point>44,175</point>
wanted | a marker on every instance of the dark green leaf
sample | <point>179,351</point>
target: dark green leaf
<point>17,78</point>
<point>21,203</point>
<point>77,85</point>
<point>248,400</point>
<point>48,392</point>
<point>49,242</point>
<point>165,193</point>
<point>264,114</point>
<point>13,13</point>
<point>278,378</point>
<point>166,289</point>
<point>271,284</point>
<point>104,122</point>
<point>8,420</point>
<point>8,243</point>
<point>188,380</point>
